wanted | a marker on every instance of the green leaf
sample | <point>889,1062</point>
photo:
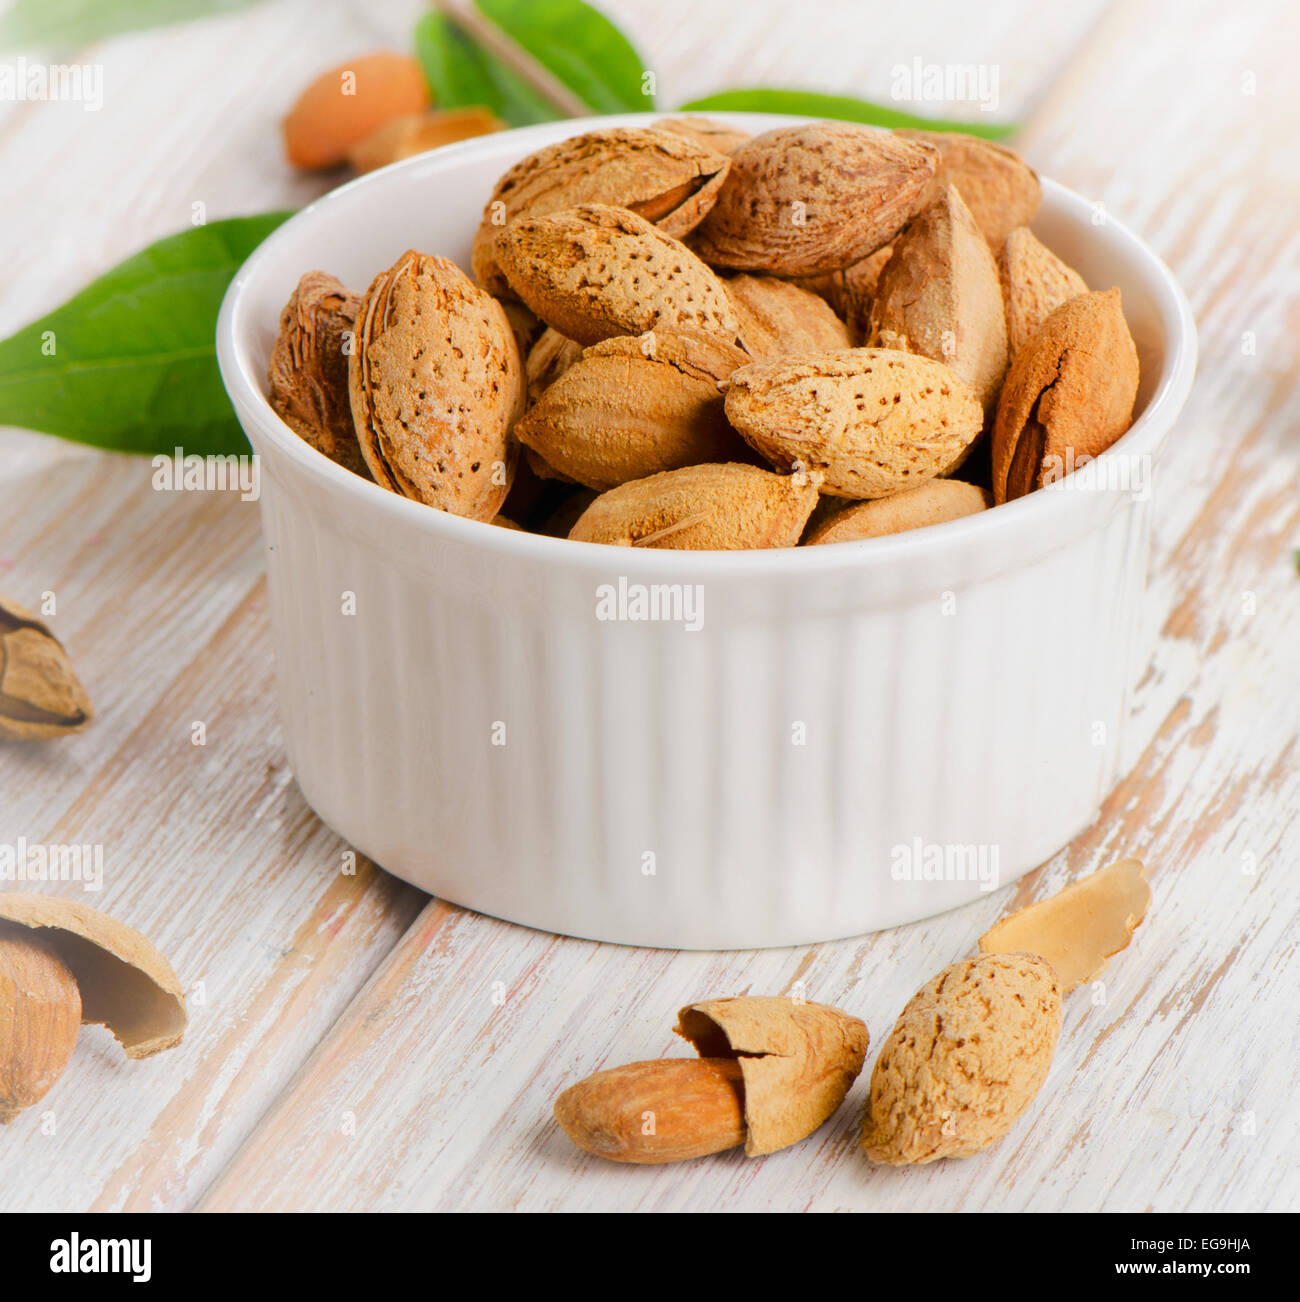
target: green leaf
<point>63,23</point>
<point>844,108</point>
<point>579,46</point>
<point>460,72</point>
<point>133,365</point>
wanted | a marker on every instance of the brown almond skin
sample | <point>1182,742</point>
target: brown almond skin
<point>778,318</point>
<point>41,696</point>
<point>308,373</point>
<point>417,133</point>
<point>632,407</point>
<point>693,1106</point>
<point>40,1015</point>
<point>667,178</point>
<point>1068,395</point>
<point>801,201</point>
<point>872,421</point>
<point>717,136</point>
<point>593,272</point>
<point>939,296</point>
<point>436,386</point>
<point>934,502</point>
<point>798,1060</point>
<point>702,508</point>
<point>964,1060</point>
<point>999,187</point>
<point>1035,282</point>
<point>348,103</point>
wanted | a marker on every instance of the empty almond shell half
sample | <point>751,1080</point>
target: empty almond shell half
<point>126,984</point>
<point>797,1060</point>
<point>41,696</point>
<point>1079,928</point>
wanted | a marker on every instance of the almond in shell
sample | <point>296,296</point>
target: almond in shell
<point>805,200</point>
<point>632,407</point>
<point>778,317</point>
<point>436,386</point>
<point>670,179</point>
<point>934,502</point>
<point>308,373</point>
<point>939,296</point>
<point>714,135</point>
<point>1035,282</point>
<point>964,1060</point>
<point>702,508</point>
<point>593,272</point>
<point>999,187</point>
<point>1068,395</point>
<point>872,421</point>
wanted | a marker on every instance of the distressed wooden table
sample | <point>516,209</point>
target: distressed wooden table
<point>355,1045</point>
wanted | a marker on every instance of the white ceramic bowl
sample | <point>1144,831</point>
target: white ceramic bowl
<point>845,716</point>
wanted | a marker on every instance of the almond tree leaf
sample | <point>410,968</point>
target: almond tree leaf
<point>64,23</point>
<point>461,73</point>
<point>578,45</point>
<point>130,362</point>
<point>844,108</point>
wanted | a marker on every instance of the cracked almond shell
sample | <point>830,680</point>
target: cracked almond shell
<point>436,386</point>
<point>547,360</point>
<point>797,1060</point>
<point>873,421</point>
<point>805,200</point>
<point>1078,929</point>
<point>999,187</point>
<point>964,1060</point>
<point>1068,395</point>
<point>41,696</point>
<point>1035,282</point>
<point>702,508</point>
<point>632,407</point>
<point>667,178</point>
<point>593,272</point>
<point>308,373</point>
<point>934,502</point>
<point>125,983</point>
<point>939,296</point>
<point>778,318</point>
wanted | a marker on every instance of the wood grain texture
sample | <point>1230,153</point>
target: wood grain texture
<point>359,1047</point>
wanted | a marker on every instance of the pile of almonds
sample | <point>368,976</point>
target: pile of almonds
<point>681,336</point>
<point>966,1057</point>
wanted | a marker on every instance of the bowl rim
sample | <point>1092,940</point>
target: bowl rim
<point>982,529</point>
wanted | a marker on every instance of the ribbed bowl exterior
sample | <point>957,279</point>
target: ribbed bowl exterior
<point>853,736</point>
